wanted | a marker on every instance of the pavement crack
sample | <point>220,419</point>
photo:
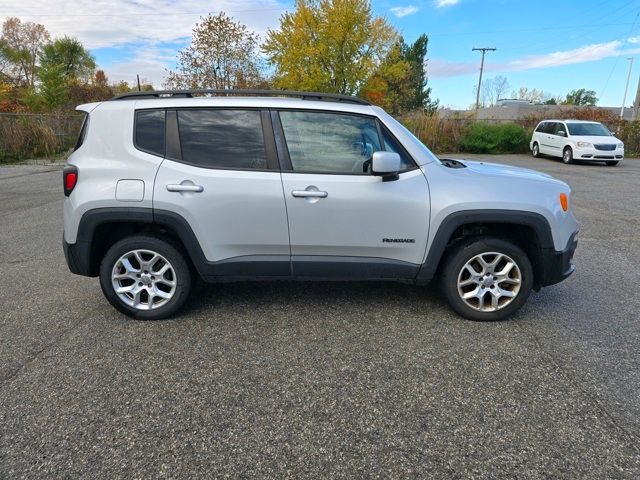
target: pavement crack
<point>38,353</point>
<point>633,438</point>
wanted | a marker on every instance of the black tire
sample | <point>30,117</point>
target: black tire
<point>181,270</point>
<point>458,258</point>
<point>612,163</point>
<point>535,151</point>
<point>567,155</point>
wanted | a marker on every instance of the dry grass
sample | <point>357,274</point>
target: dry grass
<point>35,136</point>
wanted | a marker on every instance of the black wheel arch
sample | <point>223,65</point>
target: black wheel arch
<point>100,228</point>
<point>529,230</point>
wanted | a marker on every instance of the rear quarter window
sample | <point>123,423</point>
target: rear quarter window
<point>83,132</point>
<point>150,131</point>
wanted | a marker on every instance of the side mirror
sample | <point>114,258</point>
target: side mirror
<point>385,165</point>
<point>561,133</point>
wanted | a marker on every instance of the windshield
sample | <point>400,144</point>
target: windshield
<point>588,129</point>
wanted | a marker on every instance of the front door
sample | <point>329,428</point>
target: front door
<point>343,221</point>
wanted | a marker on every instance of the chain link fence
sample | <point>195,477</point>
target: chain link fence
<point>30,136</point>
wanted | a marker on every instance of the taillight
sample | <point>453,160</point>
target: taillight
<point>69,179</point>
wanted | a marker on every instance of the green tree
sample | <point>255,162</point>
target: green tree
<point>581,97</point>
<point>328,45</point>
<point>69,55</point>
<point>222,54</point>
<point>22,44</point>
<point>419,97</point>
<point>53,87</point>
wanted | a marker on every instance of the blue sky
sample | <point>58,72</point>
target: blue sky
<point>551,45</point>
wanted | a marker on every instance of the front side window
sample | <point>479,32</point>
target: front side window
<point>560,128</point>
<point>391,145</point>
<point>330,142</point>
<point>215,138</point>
<point>149,131</point>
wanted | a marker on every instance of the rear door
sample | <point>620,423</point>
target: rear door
<point>343,221</point>
<point>221,176</point>
<point>557,141</point>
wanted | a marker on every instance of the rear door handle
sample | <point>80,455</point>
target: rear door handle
<point>185,188</point>
<point>309,193</point>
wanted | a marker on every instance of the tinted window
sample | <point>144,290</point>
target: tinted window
<point>150,131</point>
<point>330,142</point>
<point>83,132</point>
<point>559,127</point>
<point>391,145</point>
<point>541,127</point>
<point>222,138</point>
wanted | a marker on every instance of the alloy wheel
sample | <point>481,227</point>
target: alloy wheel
<point>143,279</point>
<point>489,281</point>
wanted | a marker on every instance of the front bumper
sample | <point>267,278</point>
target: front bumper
<point>558,265</point>
<point>595,155</point>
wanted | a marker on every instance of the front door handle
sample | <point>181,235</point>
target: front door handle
<point>185,188</point>
<point>309,193</point>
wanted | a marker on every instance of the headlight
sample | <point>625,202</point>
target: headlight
<point>583,145</point>
<point>621,145</point>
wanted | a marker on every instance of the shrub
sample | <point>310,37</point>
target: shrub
<point>499,138</point>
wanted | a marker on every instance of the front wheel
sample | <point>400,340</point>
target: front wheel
<point>535,151</point>
<point>567,155</point>
<point>487,279</point>
<point>145,277</point>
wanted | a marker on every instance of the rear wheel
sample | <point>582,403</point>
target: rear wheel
<point>487,279</point>
<point>535,151</point>
<point>567,155</point>
<point>145,277</point>
<point>611,163</point>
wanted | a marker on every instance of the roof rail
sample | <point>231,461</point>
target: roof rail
<point>331,97</point>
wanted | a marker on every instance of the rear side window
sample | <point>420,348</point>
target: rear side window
<point>149,131</point>
<point>215,138</point>
<point>542,127</point>
<point>83,132</point>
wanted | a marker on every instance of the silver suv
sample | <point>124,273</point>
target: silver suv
<point>167,187</point>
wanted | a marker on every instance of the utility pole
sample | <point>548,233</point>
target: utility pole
<point>636,104</point>
<point>483,50</point>
<point>626,87</point>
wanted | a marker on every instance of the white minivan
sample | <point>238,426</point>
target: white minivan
<point>576,140</point>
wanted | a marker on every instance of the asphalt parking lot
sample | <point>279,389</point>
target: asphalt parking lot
<point>321,380</point>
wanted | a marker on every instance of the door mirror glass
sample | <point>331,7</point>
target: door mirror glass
<point>386,165</point>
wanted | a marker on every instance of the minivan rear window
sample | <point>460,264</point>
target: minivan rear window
<point>149,131</point>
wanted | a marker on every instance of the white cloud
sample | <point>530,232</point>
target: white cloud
<point>587,53</point>
<point>146,23</point>
<point>105,24</point>
<point>446,3</point>
<point>634,39</point>
<point>404,11</point>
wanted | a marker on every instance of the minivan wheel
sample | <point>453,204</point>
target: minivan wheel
<point>535,150</point>
<point>567,155</point>
<point>487,279</point>
<point>145,277</point>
